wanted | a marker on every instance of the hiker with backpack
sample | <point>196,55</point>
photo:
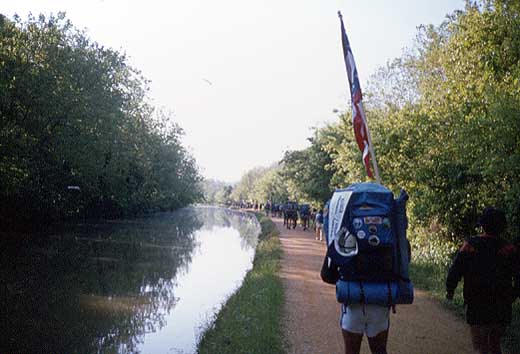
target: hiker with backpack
<point>303,213</point>
<point>319,225</point>
<point>490,266</point>
<point>290,214</point>
<point>367,259</point>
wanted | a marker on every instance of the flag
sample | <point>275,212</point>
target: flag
<point>358,114</point>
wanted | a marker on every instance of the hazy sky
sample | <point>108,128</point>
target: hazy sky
<point>245,79</point>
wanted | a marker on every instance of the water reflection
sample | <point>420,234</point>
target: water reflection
<point>123,287</point>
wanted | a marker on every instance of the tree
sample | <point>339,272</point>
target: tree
<point>308,172</point>
<point>270,187</point>
<point>245,188</point>
<point>74,113</point>
<point>444,118</point>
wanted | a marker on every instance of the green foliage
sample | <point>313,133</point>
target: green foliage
<point>271,187</point>
<point>445,120</point>
<point>74,113</point>
<point>445,124</point>
<point>216,192</point>
<point>261,184</point>
<point>244,190</point>
<point>340,145</point>
<point>429,248</point>
<point>223,196</point>
<point>302,175</point>
<point>308,172</point>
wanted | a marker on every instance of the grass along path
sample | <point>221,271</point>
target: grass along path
<point>249,322</point>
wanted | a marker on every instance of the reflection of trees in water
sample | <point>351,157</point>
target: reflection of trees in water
<point>96,288</point>
<point>102,287</point>
<point>245,223</point>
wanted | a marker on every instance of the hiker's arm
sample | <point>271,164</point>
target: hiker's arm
<point>455,274</point>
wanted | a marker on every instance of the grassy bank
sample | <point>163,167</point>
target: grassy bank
<point>250,321</point>
<point>428,272</point>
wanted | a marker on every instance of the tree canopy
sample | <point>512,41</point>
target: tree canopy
<point>445,123</point>
<point>77,134</point>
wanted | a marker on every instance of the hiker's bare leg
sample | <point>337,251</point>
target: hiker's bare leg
<point>352,342</point>
<point>479,338</point>
<point>495,334</point>
<point>377,344</point>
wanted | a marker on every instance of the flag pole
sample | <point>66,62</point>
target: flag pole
<point>361,107</point>
<point>371,149</point>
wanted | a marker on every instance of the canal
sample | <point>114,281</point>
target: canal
<point>147,285</point>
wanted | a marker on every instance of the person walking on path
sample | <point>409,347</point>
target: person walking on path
<point>310,312</point>
<point>488,264</point>
<point>358,319</point>
<point>319,225</point>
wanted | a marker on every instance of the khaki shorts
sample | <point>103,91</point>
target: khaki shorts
<point>362,318</point>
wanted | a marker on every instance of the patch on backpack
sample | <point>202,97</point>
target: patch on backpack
<point>373,220</point>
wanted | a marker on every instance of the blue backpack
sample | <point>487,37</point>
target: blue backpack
<point>365,228</point>
<point>304,209</point>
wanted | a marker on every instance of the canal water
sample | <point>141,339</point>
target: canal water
<point>137,286</point>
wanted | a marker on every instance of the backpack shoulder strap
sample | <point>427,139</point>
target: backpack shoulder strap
<point>469,246</point>
<point>506,249</point>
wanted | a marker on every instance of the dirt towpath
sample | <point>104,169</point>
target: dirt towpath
<point>311,312</point>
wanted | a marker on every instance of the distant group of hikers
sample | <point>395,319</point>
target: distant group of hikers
<point>292,212</point>
<point>367,259</point>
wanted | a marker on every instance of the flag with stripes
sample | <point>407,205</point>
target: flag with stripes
<point>358,114</point>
